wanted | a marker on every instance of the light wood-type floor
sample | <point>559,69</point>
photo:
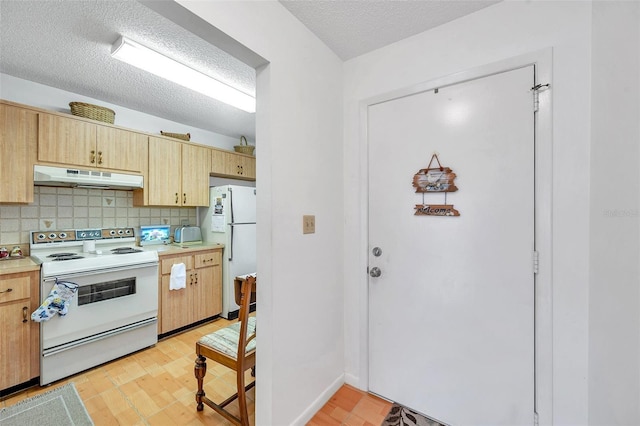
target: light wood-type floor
<point>156,386</point>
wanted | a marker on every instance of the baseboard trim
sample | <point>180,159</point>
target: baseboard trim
<point>352,380</point>
<point>319,402</point>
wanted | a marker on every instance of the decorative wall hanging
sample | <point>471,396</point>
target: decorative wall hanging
<point>433,180</point>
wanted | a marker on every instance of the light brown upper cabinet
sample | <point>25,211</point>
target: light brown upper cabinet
<point>178,173</point>
<point>76,142</point>
<point>122,149</point>
<point>233,165</point>
<point>18,140</point>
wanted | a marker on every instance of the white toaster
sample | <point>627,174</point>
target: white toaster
<point>187,235</point>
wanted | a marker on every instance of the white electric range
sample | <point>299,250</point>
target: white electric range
<point>115,309</point>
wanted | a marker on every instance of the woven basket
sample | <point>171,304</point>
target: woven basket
<point>244,148</point>
<point>93,112</point>
<point>183,136</point>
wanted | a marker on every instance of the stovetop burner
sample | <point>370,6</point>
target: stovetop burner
<point>125,250</point>
<point>65,256</point>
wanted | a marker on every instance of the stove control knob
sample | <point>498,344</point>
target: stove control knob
<point>62,235</point>
<point>41,236</point>
<point>120,232</point>
<point>52,236</point>
<point>128,231</point>
<point>112,232</point>
<point>83,234</point>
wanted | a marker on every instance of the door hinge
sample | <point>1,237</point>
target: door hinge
<point>536,419</point>
<point>536,262</point>
<point>536,98</point>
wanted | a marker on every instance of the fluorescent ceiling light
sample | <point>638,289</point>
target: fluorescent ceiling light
<point>151,61</point>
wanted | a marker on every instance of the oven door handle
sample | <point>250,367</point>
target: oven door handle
<point>96,271</point>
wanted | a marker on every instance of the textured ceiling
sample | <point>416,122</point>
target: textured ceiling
<point>354,27</point>
<point>67,44</point>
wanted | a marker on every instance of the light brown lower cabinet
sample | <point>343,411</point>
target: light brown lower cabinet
<point>202,297</point>
<point>19,336</point>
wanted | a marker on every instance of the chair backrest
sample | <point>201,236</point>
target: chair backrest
<point>248,290</point>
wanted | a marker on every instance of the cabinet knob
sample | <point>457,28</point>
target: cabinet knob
<point>99,157</point>
<point>25,312</point>
<point>93,157</point>
<point>9,290</point>
<point>177,199</point>
<point>184,198</point>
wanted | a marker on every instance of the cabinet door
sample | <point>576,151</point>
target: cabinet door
<point>18,141</point>
<point>208,291</point>
<point>15,347</point>
<point>19,354</point>
<point>122,149</point>
<point>66,141</point>
<point>196,164</point>
<point>218,162</point>
<point>175,306</point>
<point>165,170</point>
<point>240,166</point>
<point>248,167</point>
<point>175,310</point>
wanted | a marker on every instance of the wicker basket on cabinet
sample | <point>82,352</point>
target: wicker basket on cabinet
<point>94,112</point>
<point>183,136</point>
<point>244,147</point>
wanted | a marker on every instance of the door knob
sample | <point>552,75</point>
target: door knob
<point>375,272</point>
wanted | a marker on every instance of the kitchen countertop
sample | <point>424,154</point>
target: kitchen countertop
<point>13,266</point>
<point>27,264</point>
<point>169,249</point>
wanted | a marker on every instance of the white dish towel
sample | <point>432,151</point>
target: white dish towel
<point>178,277</point>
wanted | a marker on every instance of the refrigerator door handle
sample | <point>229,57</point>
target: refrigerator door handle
<point>231,204</point>
<point>231,245</point>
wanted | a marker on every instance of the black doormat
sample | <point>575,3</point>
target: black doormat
<point>403,416</point>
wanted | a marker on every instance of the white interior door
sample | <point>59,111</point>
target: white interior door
<point>451,317</point>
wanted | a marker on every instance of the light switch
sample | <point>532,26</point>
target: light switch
<point>308,224</point>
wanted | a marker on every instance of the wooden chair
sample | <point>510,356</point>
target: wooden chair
<point>233,347</point>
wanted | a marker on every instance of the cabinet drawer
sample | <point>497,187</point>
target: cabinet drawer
<point>208,259</point>
<point>168,263</point>
<point>14,288</point>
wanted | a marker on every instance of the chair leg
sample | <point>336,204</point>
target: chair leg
<point>200,370</point>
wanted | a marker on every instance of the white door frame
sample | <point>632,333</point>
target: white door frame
<point>543,208</point>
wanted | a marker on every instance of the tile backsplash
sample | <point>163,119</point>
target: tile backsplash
<point>75,208</point>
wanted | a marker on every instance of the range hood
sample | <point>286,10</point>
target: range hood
<point>77,178</point>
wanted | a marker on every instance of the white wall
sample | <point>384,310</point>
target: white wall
<point>46,97</point>
<point>502,31</point>
<point>614,293</point>
<point>299,124</point>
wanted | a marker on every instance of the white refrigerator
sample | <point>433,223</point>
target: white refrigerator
<point>231,220</point>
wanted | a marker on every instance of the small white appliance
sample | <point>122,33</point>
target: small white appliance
<point>231,220</point>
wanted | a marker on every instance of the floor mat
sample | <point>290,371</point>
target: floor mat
<point>403,416</point>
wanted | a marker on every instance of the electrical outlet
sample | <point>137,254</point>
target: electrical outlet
<point>308,224</point>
